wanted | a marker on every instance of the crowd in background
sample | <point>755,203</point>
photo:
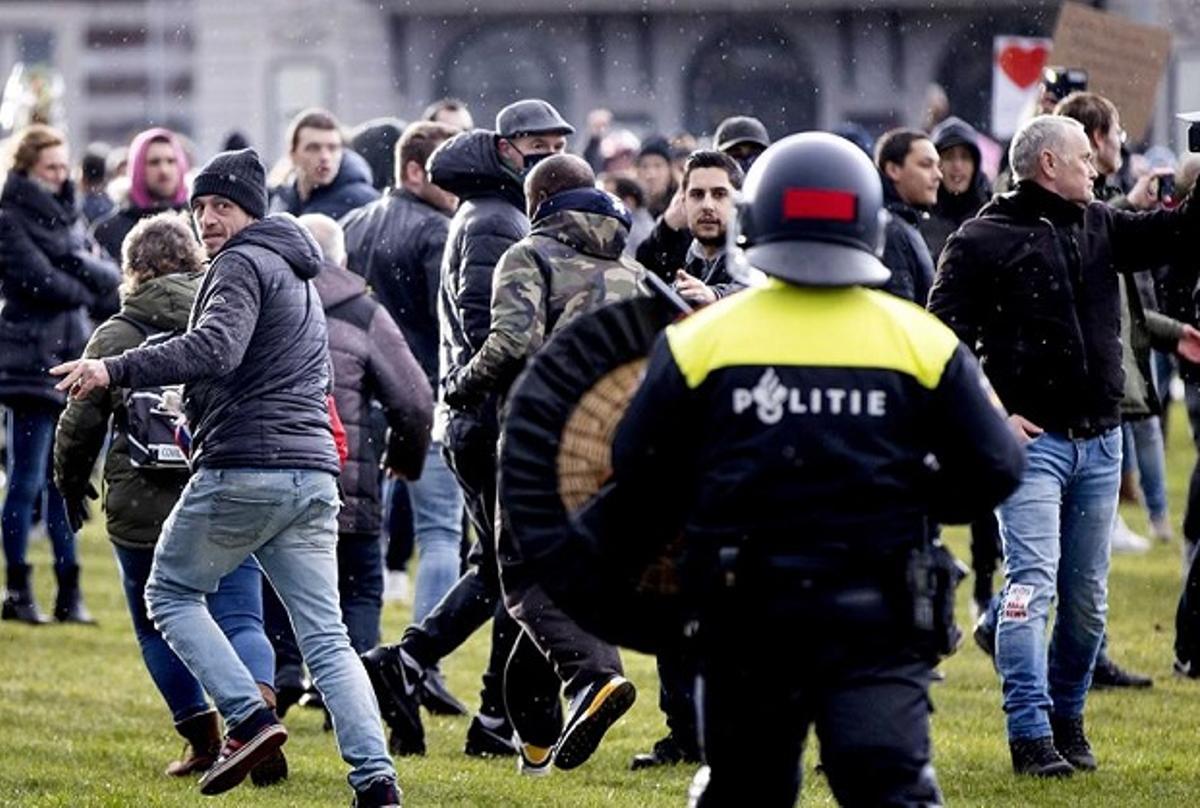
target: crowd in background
<point>97,255</point>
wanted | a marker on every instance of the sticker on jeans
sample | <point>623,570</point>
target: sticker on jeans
<point>1016,602</point>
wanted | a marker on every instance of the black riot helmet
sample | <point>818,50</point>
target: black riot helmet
<point>812,214</point>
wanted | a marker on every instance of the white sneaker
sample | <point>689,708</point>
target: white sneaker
<point>1125,540</point>
<point>395,586</point>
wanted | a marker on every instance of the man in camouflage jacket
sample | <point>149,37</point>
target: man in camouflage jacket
<point>571,263</point>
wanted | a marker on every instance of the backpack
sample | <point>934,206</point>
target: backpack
<point>152,415</point>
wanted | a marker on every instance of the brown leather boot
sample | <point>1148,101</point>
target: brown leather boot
<point>203,735</point>
<point>275,768</point>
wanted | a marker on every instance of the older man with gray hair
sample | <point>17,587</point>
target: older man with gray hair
<point>1031,285</point>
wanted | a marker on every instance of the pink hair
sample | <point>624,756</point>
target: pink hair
<point>139,194</point>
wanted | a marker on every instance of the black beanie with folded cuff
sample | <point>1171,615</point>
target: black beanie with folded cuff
<point>238,176</point>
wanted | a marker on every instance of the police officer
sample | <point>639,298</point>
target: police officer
<point>803,435</point>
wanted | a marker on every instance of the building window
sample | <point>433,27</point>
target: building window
<point>495,65</point>
<point>296,86</point>
<point>750,71</point>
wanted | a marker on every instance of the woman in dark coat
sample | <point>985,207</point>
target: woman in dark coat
<point>52,283</point>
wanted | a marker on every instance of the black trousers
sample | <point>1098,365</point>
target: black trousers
<point>1187,617</point>
<point>475,597</point>
<point>552,654</point>
<point>864,691</point>
<point>985,555</point>
<point>676,697</point>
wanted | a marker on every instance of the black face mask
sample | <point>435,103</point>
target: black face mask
<point>531,160</point>
<point>746,162</point>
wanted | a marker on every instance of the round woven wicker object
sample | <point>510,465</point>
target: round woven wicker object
<point>585,451</point>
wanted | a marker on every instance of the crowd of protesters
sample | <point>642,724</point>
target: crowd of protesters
<point>361,310</point>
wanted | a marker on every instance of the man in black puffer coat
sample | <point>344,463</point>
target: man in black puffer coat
<point>485,170</point>
<point>255,362</point>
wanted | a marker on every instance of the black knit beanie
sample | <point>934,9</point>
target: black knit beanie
<point>238,176</point>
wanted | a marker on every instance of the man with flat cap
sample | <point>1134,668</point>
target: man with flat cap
<point>255,362</point>
<point>486,171</point>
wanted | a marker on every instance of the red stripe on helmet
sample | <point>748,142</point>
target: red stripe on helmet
<point>819,203</point>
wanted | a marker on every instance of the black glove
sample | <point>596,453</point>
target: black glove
<point>78,510</point>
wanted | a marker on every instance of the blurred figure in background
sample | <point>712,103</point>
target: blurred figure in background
<point>51,281</point>
<point>95,202</point>
<point>156,183</point>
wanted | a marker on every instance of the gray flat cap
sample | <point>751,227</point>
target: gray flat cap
<point>740,129</point>
<point>531,116</point>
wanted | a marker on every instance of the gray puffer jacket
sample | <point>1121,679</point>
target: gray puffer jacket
<point>255,358</point>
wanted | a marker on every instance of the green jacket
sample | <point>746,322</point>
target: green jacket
<point>571,263</point>
<point>135,503</point>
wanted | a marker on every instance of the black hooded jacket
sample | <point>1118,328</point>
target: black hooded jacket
<point>490,219</point>
<point>952,210</point>
<point>49,280</point>
<point>255,358</point>
<point>1030,285</point>
<point>904,251</point>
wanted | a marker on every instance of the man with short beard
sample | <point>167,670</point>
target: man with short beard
<point>158,165</point>
<point>710,180</point>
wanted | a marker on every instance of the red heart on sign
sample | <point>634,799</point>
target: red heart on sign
<point>1023,65</point>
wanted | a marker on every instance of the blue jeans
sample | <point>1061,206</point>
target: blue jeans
<point>288,520</point>
<point>30,440</point>
<point>1056,530</point>
<point>1144,449</point>
<point>437,504</point>
<point>237,608</point>
<point>360,583</point>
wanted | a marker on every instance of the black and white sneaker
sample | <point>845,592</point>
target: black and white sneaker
<point>592,711</point>
<point>436,697</point>
<point>248,744</point>
<point>489,737</point>
<point>395,678</point>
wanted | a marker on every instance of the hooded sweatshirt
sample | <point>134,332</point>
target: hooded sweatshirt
<point>952,210</point>
<point>111,231</point>
<point>255,358</point>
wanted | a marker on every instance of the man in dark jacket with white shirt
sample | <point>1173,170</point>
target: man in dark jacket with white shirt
<point>255,362</point>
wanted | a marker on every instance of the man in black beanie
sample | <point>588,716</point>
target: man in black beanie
<point>255,364</point>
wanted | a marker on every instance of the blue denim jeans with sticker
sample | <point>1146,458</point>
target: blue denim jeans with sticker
<point>288,520</point>
<point>1056,530</point>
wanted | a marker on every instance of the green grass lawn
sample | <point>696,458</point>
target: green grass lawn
<point>82,725</point>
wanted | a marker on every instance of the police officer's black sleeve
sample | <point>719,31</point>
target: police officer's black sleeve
<point>979,461</point>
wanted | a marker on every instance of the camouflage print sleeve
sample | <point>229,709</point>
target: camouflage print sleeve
<point>518,325</point>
